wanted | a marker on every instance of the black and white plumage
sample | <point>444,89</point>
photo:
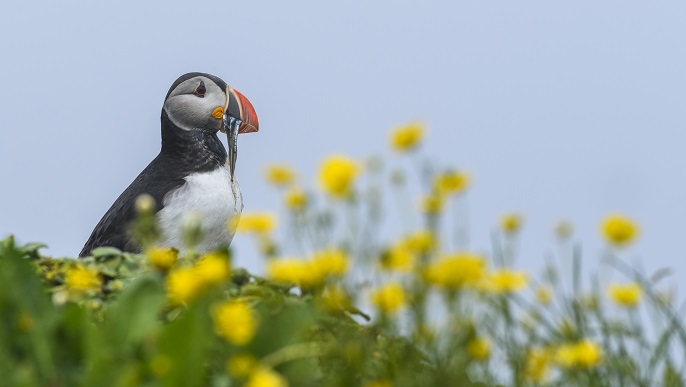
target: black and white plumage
<point>192,173</point>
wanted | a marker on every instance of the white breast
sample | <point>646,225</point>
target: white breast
<point>213,198</point>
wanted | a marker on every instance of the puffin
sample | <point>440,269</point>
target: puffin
<point>192,174</point>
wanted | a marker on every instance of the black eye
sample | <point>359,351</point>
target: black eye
<point>200,90</point>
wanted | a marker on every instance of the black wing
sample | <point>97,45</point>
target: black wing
<point>158,178</point>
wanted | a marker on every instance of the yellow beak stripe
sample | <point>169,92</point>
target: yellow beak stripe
<point>218,112</point>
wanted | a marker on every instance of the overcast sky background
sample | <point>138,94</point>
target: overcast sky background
<point>557,109</point>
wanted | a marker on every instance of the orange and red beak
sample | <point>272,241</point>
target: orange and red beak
<point>240,108</point>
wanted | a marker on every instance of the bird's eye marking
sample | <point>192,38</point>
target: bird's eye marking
<point>200,90</point>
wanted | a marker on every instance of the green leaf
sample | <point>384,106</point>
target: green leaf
<point>106,252</point>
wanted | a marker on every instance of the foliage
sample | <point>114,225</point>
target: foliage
<point>344,306</point>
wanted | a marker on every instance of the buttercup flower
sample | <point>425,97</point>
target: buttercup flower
<point>628,295</point>
<point>82,279</point>
<point>266,377</point>
<point>505,281</point>
<point>456,271</point>
<point>241,366</point>
<point>543,295</point>
<point>432,204</point>
<point>257,222</point>
<point>619,230</point>
<point>330,262</point>
<point>183,286</point>
<point>295,199</point>
<point>213,268</point>
<point>511,223</point>
<point>406,138</point>
<point>280,175</point>
<point>584,354</point>
<point>451,182</point>
<point>419,242</point>
<point>337,176</point>
<point>537,364</point>
<point>389,298</point>
<point>397,258</point>
<point>296,271</point>
<point>479,348</point>
<point>162,258</point>
<point>235,322</point>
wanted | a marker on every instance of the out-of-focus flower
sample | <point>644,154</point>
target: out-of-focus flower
<point>456,271</point>
<point>335,297</point>
<point>419,242</point>
<point>160,365</point>
<point>628,295</point>
<point>564,229</point>
<point>265,377</point>
<point>479,348</point>
<point>389,298</point>
<point>330,263</point>
<point>537,364</point>
<point>279,175</point>
<point>183,286</point>
<point>584,354</point>
<point>82,279</point>
<point>505,281</point>
<point>162,258</point>
<point>291,270</point>
<point>235,322</point>
<point>397,258</point>
<point>407,137</point>
<point>451,182</point>
<point>257,222</point>
<point>213,268</point>
<point>241,366</point>
<point>511,223</point>
<point>432,204</point>
<point>337,175</point>
<point>589,301</point>
<point>295,199</point>
<point>543,295</point>
<point>619,230</point>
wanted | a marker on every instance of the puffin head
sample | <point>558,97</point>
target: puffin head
<point>198,101</point>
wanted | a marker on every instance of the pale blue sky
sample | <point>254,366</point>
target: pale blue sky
<point>558,109</point>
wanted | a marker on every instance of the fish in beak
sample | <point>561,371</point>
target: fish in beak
<point>239,117</point>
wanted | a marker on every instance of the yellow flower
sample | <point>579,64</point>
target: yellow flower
<point>241,366</point>
<point>432,204</point>
<point>628,295</point>
<point>235,322</point>
<point>537,364</point>
<point>257,222</point>
<point>280,175</point>
<point>505,281</point>
<point>82,279</point>
<point>296,271</point>
<point>451,182</point>
<point>619,230</point>
<point>213,268</point>
<point>183,286</point>
<point>479,348</point>
<point>162,258</point>
<point>406,138</point>
<point>389,298</point>
<point>330,263</point>
<point>564,229</point>
<point>295,199</point>
<point>419,242</point>
<point>543,295</point>
<point>266,377</point>
<point>511,223</point>
<point>337,176</point>
<point>456,271</point>
<point>584,354</point>
<point>160,365</point>
<point>397,258</point>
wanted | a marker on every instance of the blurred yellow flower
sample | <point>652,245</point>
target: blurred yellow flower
<point>280,175</point>
<point>295,199</point>
<point>456,271</point>
<point>183,285</point>
<point>335,297</point>
<point>619,230</point>
<point>584,354</point>
<point>628,295</point>
<point>162,258</point>
<point>419,242</point>
<point>160,365</point>
<point>257,222</point>
<point>389,298</point>
<point>432,204</point>
<point>543,295</point>
<point>82,279</point>
<point>406,138</point>
<point>235,322</point>
<point>505,281</point>
<point>564,229</point>
<point>337,175</point>
<point>397,258</point>
<point>265,377</point>
<point>451,182</point>
<point>291,270</point>
<point>213,268</point>
<point>537,364</point>
<point>241,366</point>
<point>511,223</point>
<point>479,348</point>
<point>330,263</point>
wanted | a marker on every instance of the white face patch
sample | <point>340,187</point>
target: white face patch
<point>189,111</point>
